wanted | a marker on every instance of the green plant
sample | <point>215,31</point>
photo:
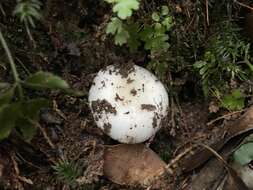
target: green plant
<point>117,28</point>
<point>151,32</point>
<point>28,11</point>
<point>234,101</point>
<point>244,153</point>
<point>124,8</point>
<point>18,112</point>
<point>223,60</point>
<point>67,172</point>
<point>156,38</point>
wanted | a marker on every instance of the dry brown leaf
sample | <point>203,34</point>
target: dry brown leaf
<point>131,164</point>
<point>233,129</point>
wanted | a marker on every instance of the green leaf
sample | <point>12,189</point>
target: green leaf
<point>27,11</point>
<point>30,115</point>
<point>244,154</point>
<point>121,37</point>
<point>199,64</point>
<point>31,108</point>
<point>6,96</point>
<point>203,70</point>
<point>235,101</point>
<point>134,39</point>
<point>124,8</point>
<point>158,28</point>
<point>8,116</point>
<point>41,80</point>
<point>20,115</point>
<point>165,10</point>
<point>147,33</point>
<point>167,22</point>
<point>114,26</point>
<point>27,128</point>
<point>155,17</point>
<point>111,1</point>
<point>237,94</point>
<point>157,43</point>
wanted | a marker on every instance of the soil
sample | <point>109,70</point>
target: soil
<point>100,106</point>
<point>124,70</point>
<point>71,42</point>
<point>148,107</point>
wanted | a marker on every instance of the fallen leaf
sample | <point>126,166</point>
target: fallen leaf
<point>218,140</point>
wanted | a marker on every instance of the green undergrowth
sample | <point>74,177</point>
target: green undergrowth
<point>19,112</point>
<point>214,51</point>
<point>225,63</point>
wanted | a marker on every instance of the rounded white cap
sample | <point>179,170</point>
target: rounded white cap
<point>128,103</point>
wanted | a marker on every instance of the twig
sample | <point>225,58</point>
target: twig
<point>244,5</point>
<point>59,112</point>
<point>27,162</point>
<point>2,66</point>
<point>207,13</point>
<point>24,67</point>
<point>30,35</point>
<point>2,10</point>
<point>15,165</point>
<point>177,158</point>
<point>45,135</point>
<point>21,178</point>
<point>169,167</point>
<point>224,117</point>
<point>189,25</point>
<point>214,153</point>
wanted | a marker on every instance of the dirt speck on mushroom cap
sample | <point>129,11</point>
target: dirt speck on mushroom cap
<point>148,107</point>
<point>107,128</point>
<point>100,106</point>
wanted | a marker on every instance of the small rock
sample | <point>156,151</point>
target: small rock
<point>50,117</point>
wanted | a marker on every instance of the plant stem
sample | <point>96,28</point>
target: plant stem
<point>12,64</point>
<point>30,34</point>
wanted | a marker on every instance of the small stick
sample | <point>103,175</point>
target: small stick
<point>243,5</point>
<point>28,31</point>
<point>169,167</point>
<point>224,117</point>
<point>207,13</point>
<point>21,178</point>
<point>59,112</point>
<point>45,135</point>
<point>2,66</point>
<point>22,65</point>
<point>214,153</point>
<point>239,184</point>
<point>2,10</point>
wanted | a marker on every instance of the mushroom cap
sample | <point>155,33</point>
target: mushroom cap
<point>128,103</point>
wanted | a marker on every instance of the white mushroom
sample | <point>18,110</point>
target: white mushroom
<point>128,103</point>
